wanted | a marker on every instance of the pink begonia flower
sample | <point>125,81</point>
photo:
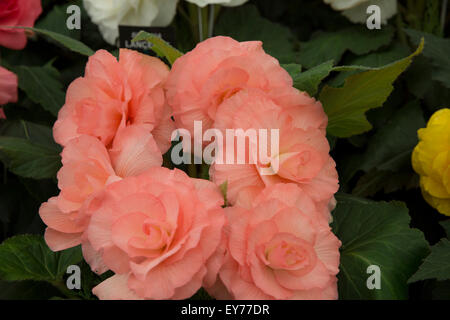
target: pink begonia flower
<point>277,249</point>
<point>87,168</point>
<point>114,94</point>
<point>17,13</point>
<point>201,80</point>
<point>8,89</point>
<point>303,152</point>
<point>156,231</point>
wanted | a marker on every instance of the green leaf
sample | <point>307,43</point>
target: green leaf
<point>436,265</point>
<point>390,148</point>
<point>246,24</point>
<point>27,257</point>
<point>327,46</point>
<point>378,59</point>
<point>26,290</point>
<point>30,160</point>
<point>346,106</point>
<point>387,158</point>
<point>372,60</point>
<point>310,80</point>
<point>293,69</point>
<point>34,132</point>
<point>370,183</point>
<point>159,46</point>
<point>437,50</point>
<point>376,233</point>
<point>42,86</point>
<point>65,41</point>
<point>388,181</point>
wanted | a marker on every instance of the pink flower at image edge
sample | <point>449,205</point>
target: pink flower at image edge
<point>15,13</point>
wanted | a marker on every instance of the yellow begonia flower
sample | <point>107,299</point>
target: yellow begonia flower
<point>431,160</point>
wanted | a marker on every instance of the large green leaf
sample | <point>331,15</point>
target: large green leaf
<point>346,106</point>
<point>246,24</point>
<point>387,181</point>
<point>42,85</point>
<point>159,46</point>
<point>436,265</point>
<point>437,50</point>
<point>310,80</point>
<point>327,46</point>
<point>387,158</point>
<point>30,160</point>
<point>27,257</point>
<point>391,148</point>
<point>376,233</point>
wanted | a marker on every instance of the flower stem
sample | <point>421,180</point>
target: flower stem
<point>200,23</point>
<point>212,16</point>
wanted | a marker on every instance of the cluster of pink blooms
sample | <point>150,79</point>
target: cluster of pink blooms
<point>166,235</point>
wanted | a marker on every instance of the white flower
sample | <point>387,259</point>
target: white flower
<point>356,10</point>
<point>109,14</point>
<point>228,3</point>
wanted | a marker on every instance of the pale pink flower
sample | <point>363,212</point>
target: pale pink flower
<point>87,168</point>
<point>114,94</point>
<point>156,231</point>
<point>278,249</point>
<point>218,68</point>
<point>303,150</point>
